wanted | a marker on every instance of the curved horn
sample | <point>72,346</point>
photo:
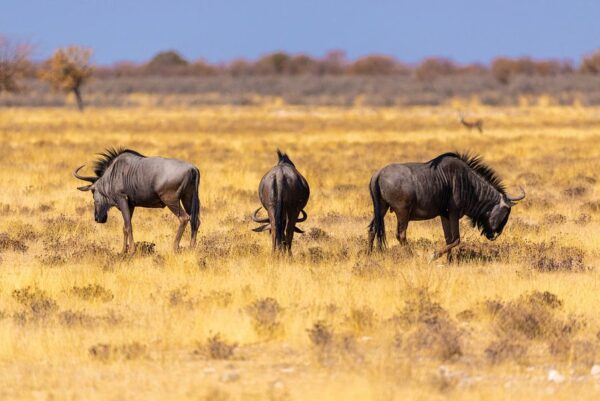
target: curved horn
<point>81,177</point>
<point>256,219</point>
<point>517,198</point>
<point>303,218</point>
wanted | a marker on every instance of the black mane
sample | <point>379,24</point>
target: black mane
<point>475,162</point>
<point>108,156</point>
<point>283,158</point>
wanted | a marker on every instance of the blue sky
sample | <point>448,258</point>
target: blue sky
<point>464,30</point>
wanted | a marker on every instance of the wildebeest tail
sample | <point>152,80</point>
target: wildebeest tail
<point>378,223</point>
<point>279,217</point>
<point>195,212</point>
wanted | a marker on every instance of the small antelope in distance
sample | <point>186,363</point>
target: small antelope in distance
<point>284,193</point>
<point>470,124</point>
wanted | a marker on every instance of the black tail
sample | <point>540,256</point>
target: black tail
<point>378,223</point>
<point>279,218</point>
<point>195,212</point>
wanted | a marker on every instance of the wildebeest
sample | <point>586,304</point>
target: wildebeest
<point>126,179</point>
<point>450,186</point>
<point>283,192</point>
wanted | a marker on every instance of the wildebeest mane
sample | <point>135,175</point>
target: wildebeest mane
<point>283,158</point>
<point>475,162</point>
<point>108,156</point>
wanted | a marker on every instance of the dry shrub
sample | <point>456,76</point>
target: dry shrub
<point>517,222</point>
<point>466,316</point>
<point>583,219</point>
<point>320,335</point>
<point>572,261</point>
<point>217,298</point>
<point>215,245</point>
<point>591,206</point>
<point>549,257</point>
<point>534,316</point>
<point>70,318</point>
<point>430,329</point>
<point>317,234</point>
<point>316,254</point>
<point>361,320</point>
<point>181,297</point>
<point>554,218</point>
<point>575,192</point>
<point>129,351</point>
<point>218,348</point>
<point>369,269</point>
<point>92,292</point>
<point>7,243</point>
<point>37,303</point>
<point>481,252</point>
<point>58,250</point>
<point>144,248</point>
<point>265,314</point>
<point>423,244</point>
<point>331,348</point>
<point>505,349</point>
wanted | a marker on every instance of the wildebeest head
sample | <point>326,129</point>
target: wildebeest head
<point>101,202</point>
<point>492,223</point>
<point>284,158</point>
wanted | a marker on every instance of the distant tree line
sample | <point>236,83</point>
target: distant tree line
<point>68,69</point>
<point>335,63</point>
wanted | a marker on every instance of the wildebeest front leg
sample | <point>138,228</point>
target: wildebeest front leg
<point>127,212</point>
<point>451,234</point>
<point>184,218</point>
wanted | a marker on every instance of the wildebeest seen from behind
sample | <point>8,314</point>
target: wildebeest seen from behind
<point>284,193</point>
<point>126,179</point>
<point>450,186</point>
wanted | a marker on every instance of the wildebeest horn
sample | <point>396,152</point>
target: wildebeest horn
<point>303,218</point>
<point>256,219</point>
<point>81,177</point>
<point>299,231</point>
<point>262,228</point>
<point>514,199</point>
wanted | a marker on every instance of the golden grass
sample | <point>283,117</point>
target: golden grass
<point>229,321</point>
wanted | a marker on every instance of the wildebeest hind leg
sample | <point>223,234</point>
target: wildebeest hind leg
<point>402,216</point>
<point>289,231</point>
<point>183,217</point>
<point>187,200</point>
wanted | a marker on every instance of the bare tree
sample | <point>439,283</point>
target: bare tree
<point>14,60</point>
<point>68,69</point>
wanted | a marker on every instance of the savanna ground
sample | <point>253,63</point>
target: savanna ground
<point>516,318</point>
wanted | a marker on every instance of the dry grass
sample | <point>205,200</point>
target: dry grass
<point>229,321</point>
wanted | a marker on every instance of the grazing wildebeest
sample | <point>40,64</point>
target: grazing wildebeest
<point>126,179</point>
<point>450,186</point>
<point>283,192</point>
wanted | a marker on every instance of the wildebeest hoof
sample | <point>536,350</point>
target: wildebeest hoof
<point>435,255</point>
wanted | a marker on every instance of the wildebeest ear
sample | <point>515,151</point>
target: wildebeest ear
<point>280,154</point>
<point>85,188</point>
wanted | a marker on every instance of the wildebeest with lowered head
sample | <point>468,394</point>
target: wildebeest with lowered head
<point>126,179</point>
<point>450,186</point>
<point>283,192</point>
